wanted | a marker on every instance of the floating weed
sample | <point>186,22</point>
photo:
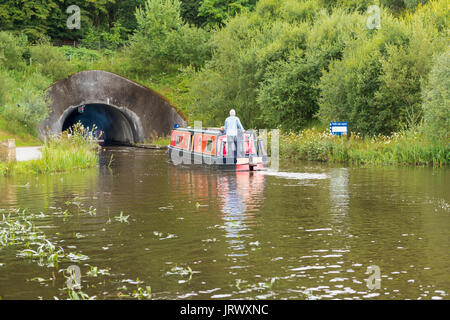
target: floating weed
<point>92,211</point>
<point>240,283</point>
<point>95,271</point>
<point>160,235</point>
<point>121,218</point>
<point>141,293</point>
<point>39,279</point>
<point>77,294</point>
<point>75,257</point>
<point>181,271</point>
<point>244,286</point>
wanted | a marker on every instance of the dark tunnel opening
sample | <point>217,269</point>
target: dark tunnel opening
<point>115,125</point>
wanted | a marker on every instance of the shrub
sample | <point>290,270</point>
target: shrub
<point>96,38</point>
<point>12,50</point>
<point>289,94</point>
<point>26,103</point>
<point>436,106</point>
<point>163,41</point>
<point>5,86</point>
<point>251,48</point>
<point>216,12</point>
<point>377,84</point>
<point>50,61</point>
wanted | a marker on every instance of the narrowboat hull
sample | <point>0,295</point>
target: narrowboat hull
<point>208,148</point>
<point>186,158</point>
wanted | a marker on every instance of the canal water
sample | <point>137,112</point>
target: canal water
<point>309,231</point>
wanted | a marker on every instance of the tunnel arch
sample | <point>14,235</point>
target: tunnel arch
<point>116,127</point>
<point>133,113</point>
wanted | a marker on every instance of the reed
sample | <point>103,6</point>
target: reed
<point>161,141</point>
<point>405,148</point>
<point>65,152</point>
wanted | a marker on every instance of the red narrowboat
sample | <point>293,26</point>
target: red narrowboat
<point>212,147</point>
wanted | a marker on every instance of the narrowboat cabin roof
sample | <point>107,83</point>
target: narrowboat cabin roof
<point>203,130</point>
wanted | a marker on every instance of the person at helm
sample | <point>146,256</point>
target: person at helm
<point>232,124</point>
<point>234,130</point>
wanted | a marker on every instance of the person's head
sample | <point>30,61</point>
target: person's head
<point>232,112</point>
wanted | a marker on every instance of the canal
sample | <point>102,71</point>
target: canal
<point>309,231</point>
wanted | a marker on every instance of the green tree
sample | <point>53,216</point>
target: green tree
<point>377,84</point>
<point>190,12</point>
<point>163,40</point>
<point>215,12</point>
<point>289,94</point>
<point>12,50</point>
<point>436,106</point>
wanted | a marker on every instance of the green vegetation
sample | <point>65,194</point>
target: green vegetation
<point>62,153</point>
<point>161,141</point>
<point>406,148</point>
<point>286,64</point>
<point>11,129</point>
<point>21,233</point>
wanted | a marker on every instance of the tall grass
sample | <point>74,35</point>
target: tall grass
<point>65,152</point>
<point>405,148</point>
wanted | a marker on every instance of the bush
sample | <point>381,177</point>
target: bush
<point>289,94</point>
<point>250,49</point>
<point>26,102</point>
<point>163,41</point>
<point>96,38</point>
<point>377,84</point>
<point>436,106</point>
<point>12,50</point>
<point>216,12</point>
<point>50,61</point>
<point>5,86</point>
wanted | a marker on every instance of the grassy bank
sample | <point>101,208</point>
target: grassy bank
<point>161,141</point>
<point>60,154</point>
<point>11,130</point>
<point>405,148</point>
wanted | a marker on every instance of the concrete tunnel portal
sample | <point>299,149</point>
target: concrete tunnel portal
<point>125,111</point>
<point>116,127</point>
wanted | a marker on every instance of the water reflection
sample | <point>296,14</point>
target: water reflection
<point>339,190</point>
<point>241,194</point>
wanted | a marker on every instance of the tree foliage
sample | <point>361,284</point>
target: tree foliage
<point>216,12</point>
<point>288,62</point>
<point>436,106</point>
<point>163,40</point>
<point>377,84</point>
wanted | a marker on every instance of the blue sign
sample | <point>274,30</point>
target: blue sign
<point>176,126</point>
<point>339,128</point>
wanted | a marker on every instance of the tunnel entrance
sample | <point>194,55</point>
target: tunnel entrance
<point>116,127</point>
